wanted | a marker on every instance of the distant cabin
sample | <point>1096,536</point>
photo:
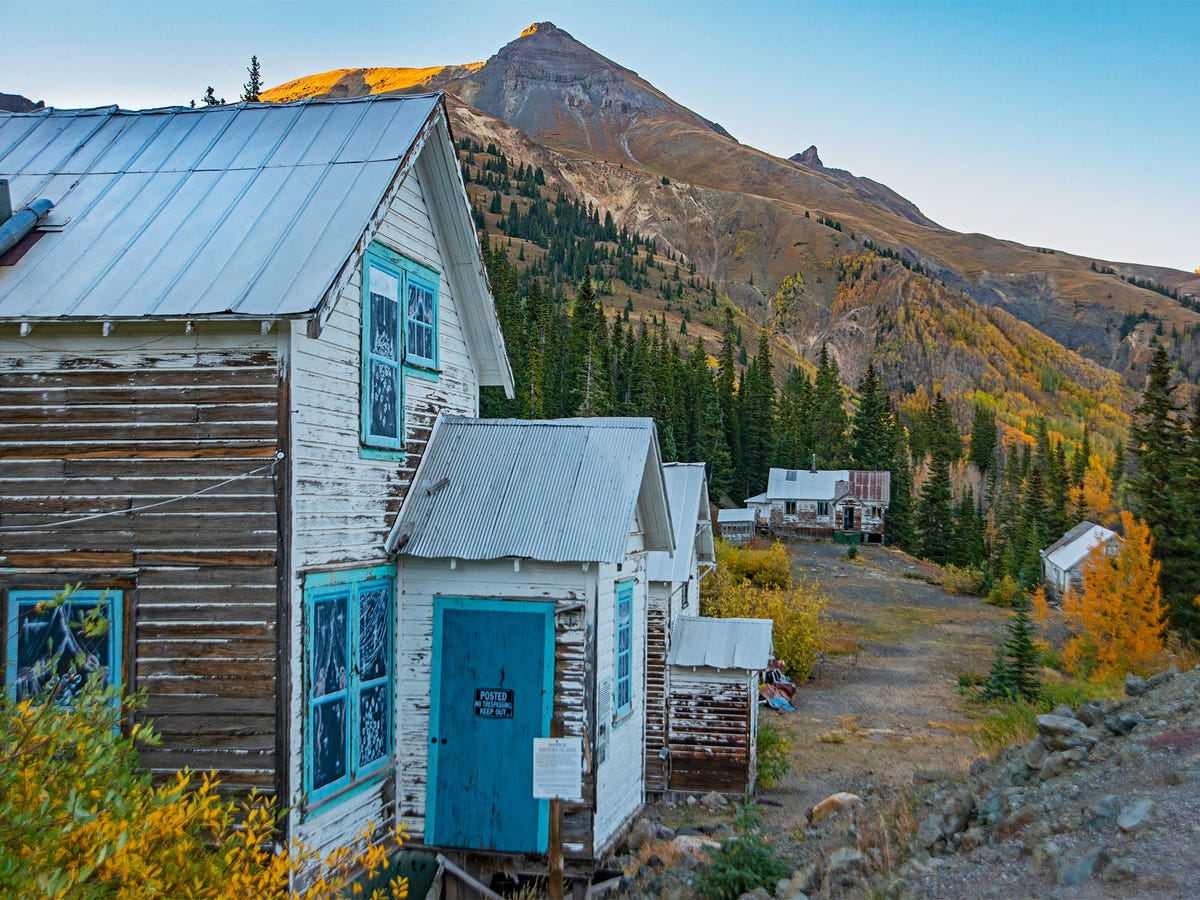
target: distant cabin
<point>225,335</point>
<point>737,525</point>
<point>844,504</point>
<point>1063,561</point>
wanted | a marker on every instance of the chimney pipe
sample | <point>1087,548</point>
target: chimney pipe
<point>5,201</point>
<point>814,464</point>
<point>22,223</point>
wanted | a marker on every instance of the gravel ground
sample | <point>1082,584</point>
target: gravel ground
<point>891,709</point>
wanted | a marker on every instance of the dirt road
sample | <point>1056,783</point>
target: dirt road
<point>889,710</point>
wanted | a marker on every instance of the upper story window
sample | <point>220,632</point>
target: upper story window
<point>399,335</point>
<point>67,640</point>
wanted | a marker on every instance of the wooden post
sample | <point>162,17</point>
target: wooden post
<point>554,851</point>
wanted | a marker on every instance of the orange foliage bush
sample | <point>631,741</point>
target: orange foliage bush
<point>1117,618</point>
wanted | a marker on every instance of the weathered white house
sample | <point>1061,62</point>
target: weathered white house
<point>713,727</point>
<point>522,562</point>
<point>844,504</point>
<point>221,354</point>
<point>674,593</point>
<point>1063,561</point>
<point>737,525</point>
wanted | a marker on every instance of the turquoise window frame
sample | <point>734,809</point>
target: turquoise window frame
<point>114,599</point>
<point>409,276</point>
<point>346,586</point>
<point>623,624</point>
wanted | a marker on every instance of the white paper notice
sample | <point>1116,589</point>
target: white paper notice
<point>558,768</point>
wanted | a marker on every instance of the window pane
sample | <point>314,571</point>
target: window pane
<point>420,317</point>
<point>329,736</point>
<point>385,308</point>
<point>329,646</point>
<point>373,724</point>
<point>54,643</point>
<point>384,399</point>
<point>374,629</point>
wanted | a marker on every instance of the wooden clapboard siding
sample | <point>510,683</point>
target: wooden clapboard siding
<point>92,424</point>
<point>620,780</point>
<point>657,648</point>
<point>343,500</point>
<point>711,731</point>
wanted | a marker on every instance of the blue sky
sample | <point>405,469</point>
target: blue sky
<point>1068,125</point>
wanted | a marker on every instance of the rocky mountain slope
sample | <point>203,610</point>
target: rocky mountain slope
<point>749,220</point>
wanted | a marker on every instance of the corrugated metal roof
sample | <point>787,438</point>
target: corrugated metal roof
<point>869,487</point>
<point>249,209</point>
<point>562,491</point>
<point>737,515</point>
<point>1072,547</point>
<point>687,493</point>
<point>801,484</point>
<point>721,643</point>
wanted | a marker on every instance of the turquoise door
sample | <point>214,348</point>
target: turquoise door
<point>491,695</point>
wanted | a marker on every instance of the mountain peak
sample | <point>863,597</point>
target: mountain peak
<point>543,27</point>
<point>808,158</point>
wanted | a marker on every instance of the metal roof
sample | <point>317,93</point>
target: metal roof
<point>249,209</point>
<point>687,493</point>
<point>1072,547</point>
<point>737,515</point>
<point>564,490</point>
<point>801,484</point>
<point>721,643</point>
<point>867,486</point>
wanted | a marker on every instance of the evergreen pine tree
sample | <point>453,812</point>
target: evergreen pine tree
<point>871,429</point>
<point>899,525</point>
<point>829,422</point>
<point>983,437</point>
<point>934,518</point>
<point>1014,674</point>
<point>210,98</point>
<point>252,88</point>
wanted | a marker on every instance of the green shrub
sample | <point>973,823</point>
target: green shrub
<point>772,749</point>
<point>967,580</point>
<point>743,862</point>
<point>1005,592</point>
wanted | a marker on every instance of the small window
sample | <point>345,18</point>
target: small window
<point>791,475</point>
<point>624,647</point>
<point>48,641</point>
<point>348,683</point>
<point>789,507</point>
<point>399,336</point>
<point>822,507</point>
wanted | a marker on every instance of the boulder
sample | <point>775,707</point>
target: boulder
<point>1122,723</point>
<point>845,865</point>
<point>713,802</point>
<point>640,834</point>
<point>1076,871</point>
<point>1162,677</point>
<point>1059,732</point>
<point>759,893</point>
<point>1135,686</point>
<point>1121,868</point>
<point>929,832</point>
<point>1137,815</point>
<point>1102,809</point>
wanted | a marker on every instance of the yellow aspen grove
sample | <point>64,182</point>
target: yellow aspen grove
<point>1117,617</point>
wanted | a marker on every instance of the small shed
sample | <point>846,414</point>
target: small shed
<point>1062,561</point>
<point>737,525</point>
<point>713,726</point>
<point>522,571</point>
<point>674,593</point>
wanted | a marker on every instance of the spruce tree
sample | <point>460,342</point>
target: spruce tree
<point>830,422</point>
<point>251,89</point>
<point>871,429</point>
<point>934,519</point>
<point>1014,674</point>
<point>983,437</point>
<point>899,525</point>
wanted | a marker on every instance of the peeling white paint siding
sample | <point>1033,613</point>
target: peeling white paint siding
<point>421,580</point>
<point>620,780</point>
<point>344,503</point>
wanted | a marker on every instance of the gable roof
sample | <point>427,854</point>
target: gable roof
<point>564,490</point>
<point>737,515</point>
<point>801,484</point>
<point>1070,549</point>
<point>253,210</point>
<point>721,643</point>
<point>867,486</point>
<point>687,493</point>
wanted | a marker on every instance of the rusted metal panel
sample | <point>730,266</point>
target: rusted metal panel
<point>711,729</point>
